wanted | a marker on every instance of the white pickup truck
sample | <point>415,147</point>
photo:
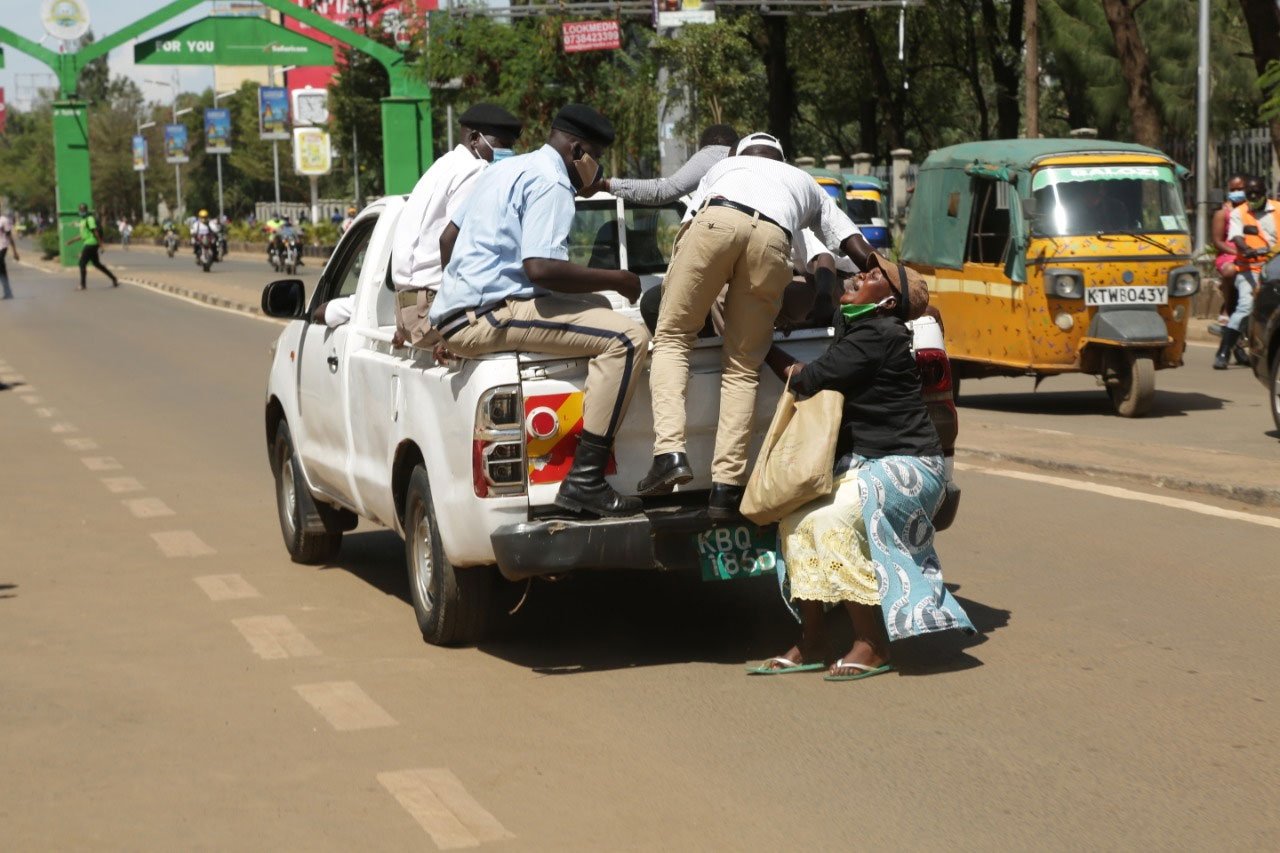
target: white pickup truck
<point>464,459</point>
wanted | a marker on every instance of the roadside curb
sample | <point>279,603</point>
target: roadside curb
<point>1262,496</point>
<point>196,295</point>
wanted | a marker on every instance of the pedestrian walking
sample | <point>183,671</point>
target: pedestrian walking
<point>126,232</point>
<point>6,241</point>
<point>91,237</point>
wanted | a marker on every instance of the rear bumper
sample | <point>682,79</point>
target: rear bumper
<point>661,539</point>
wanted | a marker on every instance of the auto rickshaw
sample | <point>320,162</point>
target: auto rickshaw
<point>1051,256</point>
<point>864,196</point>
<point>832,184</point>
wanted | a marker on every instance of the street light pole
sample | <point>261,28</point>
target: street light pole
<point>221,212</point>
<point>142,173</point>
<point>1202,133</point>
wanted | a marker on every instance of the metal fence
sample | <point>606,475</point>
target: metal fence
<point>1246,152</point>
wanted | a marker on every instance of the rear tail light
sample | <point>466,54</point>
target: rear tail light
<point>497,448</point>
<point>935,372</point>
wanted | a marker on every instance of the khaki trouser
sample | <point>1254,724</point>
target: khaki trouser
<point>754,257</point>
<point>572,325</point>
<point>412,307</point>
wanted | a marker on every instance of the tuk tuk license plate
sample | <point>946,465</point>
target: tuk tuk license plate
<point>740,551</point>
<point>1126,295</point>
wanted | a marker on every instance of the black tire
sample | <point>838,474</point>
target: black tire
<point>205,266</point>
<point>303,547</point>
<point>453,606</point>
<point>1134,393</point>
<point>1275,389</point>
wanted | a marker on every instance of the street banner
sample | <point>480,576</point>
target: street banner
<point>677,13</point>
<point>175,143</point>
<point>273,112</point>
<point>217,131</point>
<point>312,154</point>
<point>590,35</point>
<point>232,41</point>
<point>139,154</point>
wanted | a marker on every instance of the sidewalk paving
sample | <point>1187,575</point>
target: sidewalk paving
<point>1171,453</point>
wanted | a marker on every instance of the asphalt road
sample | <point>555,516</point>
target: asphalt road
<point>169,680</point>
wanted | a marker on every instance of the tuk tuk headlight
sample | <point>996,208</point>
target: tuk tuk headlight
<point>1064,284</point>
<point>1183,281</point>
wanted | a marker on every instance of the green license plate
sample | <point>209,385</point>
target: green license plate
<point>739,551</point>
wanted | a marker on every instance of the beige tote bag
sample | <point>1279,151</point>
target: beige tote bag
<point>795,461</point>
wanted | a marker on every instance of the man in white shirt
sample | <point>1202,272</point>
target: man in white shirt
<point>754,203</point>
<point>6,241</point>
<point>488,134</point>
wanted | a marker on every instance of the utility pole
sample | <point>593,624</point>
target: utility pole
<point>355,163</point>
<point>216,96</point>
<point>275,144</point>
<point>1031,70</point>
<point>1202,133</point>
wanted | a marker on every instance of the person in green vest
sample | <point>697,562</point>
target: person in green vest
<point>91,236</point>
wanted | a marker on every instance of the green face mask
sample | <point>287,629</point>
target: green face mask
<point>854,312</point>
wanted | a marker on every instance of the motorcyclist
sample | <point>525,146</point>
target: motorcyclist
<point>287,235</point>
<point>204,228</point>
<point>1254,230</point>
<point>350,220</point>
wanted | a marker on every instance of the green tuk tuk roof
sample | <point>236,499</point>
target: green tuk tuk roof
<point>1021,154</point>
<point>819,172</point>
<point>869,182</point>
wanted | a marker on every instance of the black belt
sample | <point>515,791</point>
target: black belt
<point>749,211</point>
<point>454,321</point>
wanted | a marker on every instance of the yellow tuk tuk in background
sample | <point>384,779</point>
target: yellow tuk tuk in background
<point>1051,256</point>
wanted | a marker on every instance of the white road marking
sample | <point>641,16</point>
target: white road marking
<point>435,798</point>
<point>32,400</point>
<point>121,485</point>
<point>63,428</point>
<point>226,587</point>
<point>1127,494</point>
<point>24,390</point>
<point>80,443</point>
<point>274,637</point>
<point>201,303</point>
<point>345,705</point>
<point>181,543</point>
<point>44,412</point>
<point>101,463</point>
<point>147,507</point>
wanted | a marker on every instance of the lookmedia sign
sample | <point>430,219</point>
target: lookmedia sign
<point>581,36</point>
<point>217,131</point>
<point>175,143</point>
<point>139,154</point>
<point>273,112</point>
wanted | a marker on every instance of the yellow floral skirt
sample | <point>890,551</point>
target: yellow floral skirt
<point>825,547</point>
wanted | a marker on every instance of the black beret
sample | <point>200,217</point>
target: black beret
<point>491,118</point>
<point>584,123</point>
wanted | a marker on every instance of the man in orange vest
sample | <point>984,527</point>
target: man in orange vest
<point>1254,229</point>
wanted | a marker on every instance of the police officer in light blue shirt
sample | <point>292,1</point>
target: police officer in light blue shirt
<point>509,287</point>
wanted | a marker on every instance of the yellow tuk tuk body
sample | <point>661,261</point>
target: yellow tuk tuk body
<point>1053,256</point>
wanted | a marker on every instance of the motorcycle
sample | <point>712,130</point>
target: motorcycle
<point>222,245</point>
<point>171,243</point>
<point>291,254</point>
<point>205,251</point>
<point>274,254</point>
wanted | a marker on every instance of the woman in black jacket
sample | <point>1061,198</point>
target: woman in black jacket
<point>869,544</point>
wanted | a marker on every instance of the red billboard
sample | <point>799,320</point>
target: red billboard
<point>405,16</point>
<point>590,35</point>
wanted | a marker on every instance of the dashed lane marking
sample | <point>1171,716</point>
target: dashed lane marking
<point>63,428</point>
<point>121,485</point>
<point>274,637</point>
<point>436,799</point>
<point>80,443</point>
<point>1127,494</point>
<point>181,543</point>
<point>32,399</point>
<point>45,412</point>
<point>147,507</point>
<point>345,705</point>
<point>101,463</point>
<point>226,587</point>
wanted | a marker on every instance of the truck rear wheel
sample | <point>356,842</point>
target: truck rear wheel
<point>303,547</point>
<point>1275,389</point>
<point>1134,390</point>
<point>452,605</point>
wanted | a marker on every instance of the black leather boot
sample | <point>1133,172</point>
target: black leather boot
<point>1229,338</point>
<point>668,471</point>
<point>585,489</point>
<point>724,501</point>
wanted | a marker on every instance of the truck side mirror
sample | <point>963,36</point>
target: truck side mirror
<point>285,299</point>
